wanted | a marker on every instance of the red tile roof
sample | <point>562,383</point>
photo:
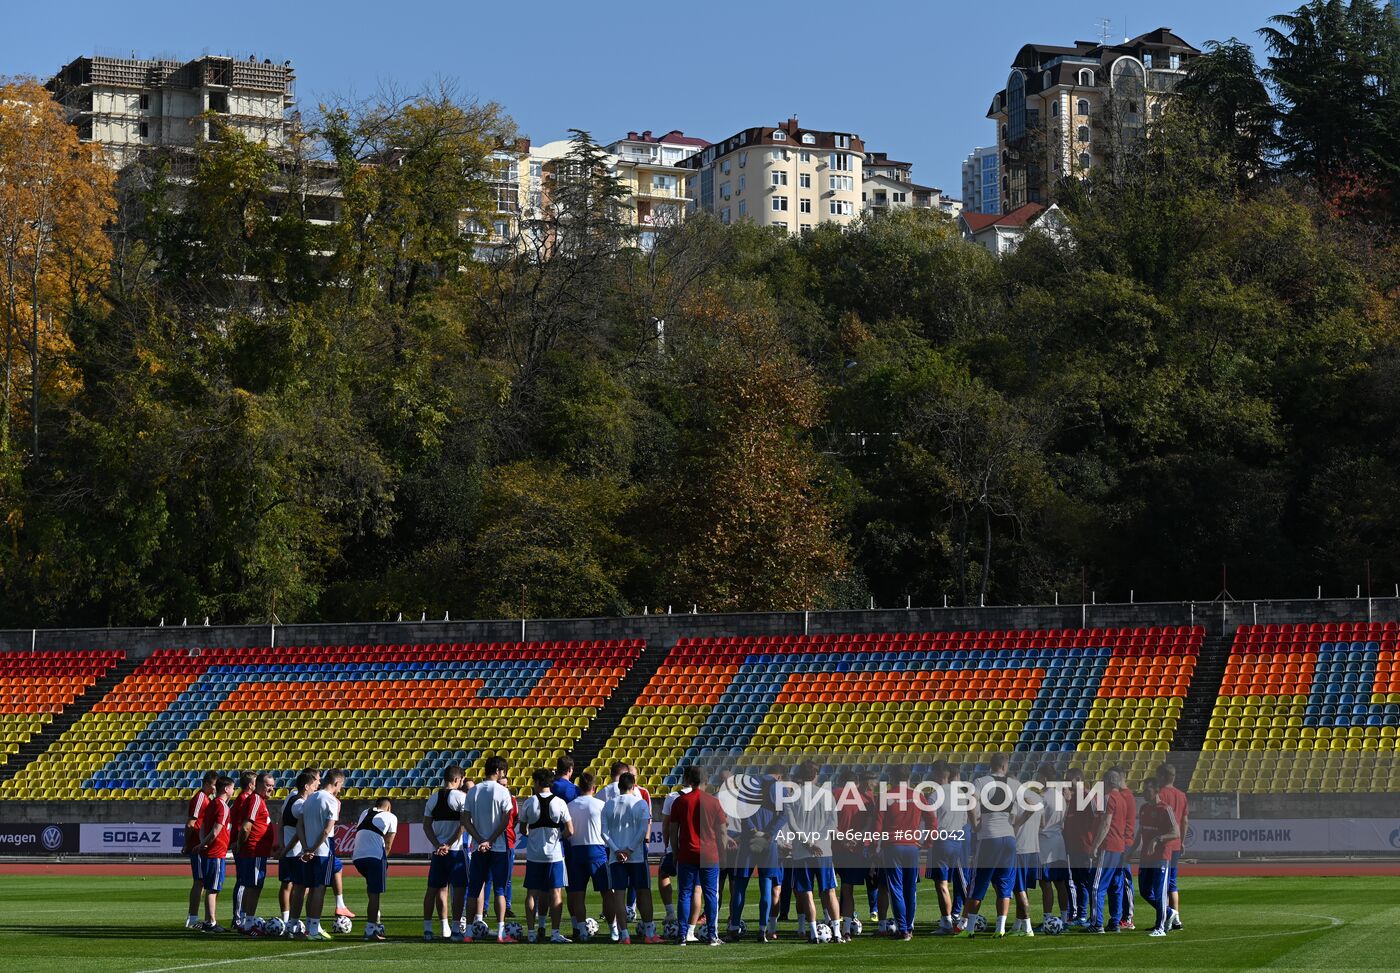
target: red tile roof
<point>1020,216</point>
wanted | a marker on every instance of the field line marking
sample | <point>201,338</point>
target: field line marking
<point>255,959</point>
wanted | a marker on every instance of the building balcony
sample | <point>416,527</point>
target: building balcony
<point>659,192</point>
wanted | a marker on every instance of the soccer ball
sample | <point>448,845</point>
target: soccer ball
<point>590,927</point>
<point>480,930</point>
<point>979,923</point>
<point>297,928</point>
<point>254,926</point>
<point>671,928</point>
<point>343,925</point>
<point>1053,925</point>
<point>274,928</point>
<point>821,932</point>
<point>740,930</point>
<point>631,913</point>
<point>515,930</point>
<point>856,927</point>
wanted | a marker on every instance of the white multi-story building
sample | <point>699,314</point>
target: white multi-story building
<point>889,185</point>
<point>981,181</point>
<point>126,105</point>
<point>785,176</point>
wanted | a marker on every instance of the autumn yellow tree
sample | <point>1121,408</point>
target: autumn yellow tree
<point>56,200</point>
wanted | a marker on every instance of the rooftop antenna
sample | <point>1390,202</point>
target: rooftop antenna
<point>1105,28</point>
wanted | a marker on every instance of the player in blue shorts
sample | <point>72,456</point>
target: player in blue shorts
<point>292,892</point>
<point>546,823</point>
<point>447,868</point>
<point>199,800</point>
<point>811,822</point>
<point>757,844</point>
<point>1054,856</point>
<point>319,815</point>
<point>374,837</point>
<point>488,813</point>
<point>854,853</point>
<point>1158,830</point>
<point>215,832</point>
<point>586,857</point>
<point>626,826</point>
<point>1027,860</point>
<point>996,815</point>
<point>950,849</point>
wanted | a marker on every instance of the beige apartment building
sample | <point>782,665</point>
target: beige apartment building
<point>785,176</point>
<point>657,183</point>
<point>129,104</point>
<point>1065,110</point>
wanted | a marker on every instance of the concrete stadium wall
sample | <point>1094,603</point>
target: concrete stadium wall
<point>1219,618</point>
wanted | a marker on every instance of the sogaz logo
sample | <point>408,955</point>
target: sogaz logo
<point>1395,838</point>
<point>52,838</point>
<point>133,836</point>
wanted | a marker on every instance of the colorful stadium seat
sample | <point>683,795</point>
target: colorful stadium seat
<point>391,715</point>
<point>1328,694</point>
<point>1088,691</point>
<point>36,686</point>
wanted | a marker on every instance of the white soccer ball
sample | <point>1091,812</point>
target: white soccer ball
<point>856,927</point>
<point>515,930</point>
<point>822,932</point>
<point>273,927</point>
<point>480,930</point>
<point>979,923</point>
<point>631,913</point>
<point>1053,925</point>
<point>671,928</point>
<point>343,925</point>
<point>257,927</point>
<point>296,928</point>
<point>590,927</point>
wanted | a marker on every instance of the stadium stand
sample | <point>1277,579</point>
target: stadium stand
<point>392,715</point>
<point>1088,691</point>
<point>35,687</point>
<point>1327,692</point>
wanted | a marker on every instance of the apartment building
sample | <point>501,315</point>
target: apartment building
<point>887,184</point>
<point>129,104</point>
<point>657,183</point>
<point>1065,110</point>
<point>784,176</point>
<point>981,180</point>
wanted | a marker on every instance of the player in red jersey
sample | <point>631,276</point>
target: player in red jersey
<point>198,802</point>
<point>1111,841</point>
<point>1174,798</point>
<point>238,810</point>
<point>253,844</point>
<point>1159,831</point>
<point>215,831</point>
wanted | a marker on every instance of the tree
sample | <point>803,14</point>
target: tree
<point>1336,72</point>
<point>1224,90</point>
<point>55,202</point>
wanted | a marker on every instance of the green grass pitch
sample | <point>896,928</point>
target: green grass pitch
<point>135,925</point>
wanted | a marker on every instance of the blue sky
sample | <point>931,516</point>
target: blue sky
<point>914,80</point>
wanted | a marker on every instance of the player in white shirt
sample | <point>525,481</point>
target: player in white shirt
<point>289,871</point>
<point>1054,856</point>
<point>484,820</point>
<point>626,826</point>
<point>586,859</point>
<point>995,815</point>
<point>319,814</point>
<point>546,821</point>
<point>447,868</point>
<point>374,836</point>
<point>1027,861</point>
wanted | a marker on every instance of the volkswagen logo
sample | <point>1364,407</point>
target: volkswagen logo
<point>52,837</point>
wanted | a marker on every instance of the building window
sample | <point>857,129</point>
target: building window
<point>1083,107</point>
<point>724,190</point>
<point>804,205</point>
<point>1055,109</point>
<point>1086,78</point>
<point>743,209</point>
<point>779,177</point>
<point>841,184</point>
<point>1085,160</point>
<point>842,162</point>
<point>1083,133</point>
<point>724,215</point>
<point>742,180</point>
<point>145,101</point>
<point>724,167</point>
<point>780,224</point>
<point>743,158</point>
<point>536,170</point>
<point>806,157</point>
<point>780,136</point>
<point>843,141</point>
<point>841,207</point>
<point>143,129</point>
<point>665,184</point>
<point>501,228</point>
<point>780,204</point>
<point>1175,62</point>
<point>1045,80</point>
<point>899,197</point>
<point>777,155</point>
<point>1147,60</point>
<point>804,180</point>
<point>809,139</point>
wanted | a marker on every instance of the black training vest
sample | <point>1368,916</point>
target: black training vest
<point>442,809</point>
<point>367,823</point>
